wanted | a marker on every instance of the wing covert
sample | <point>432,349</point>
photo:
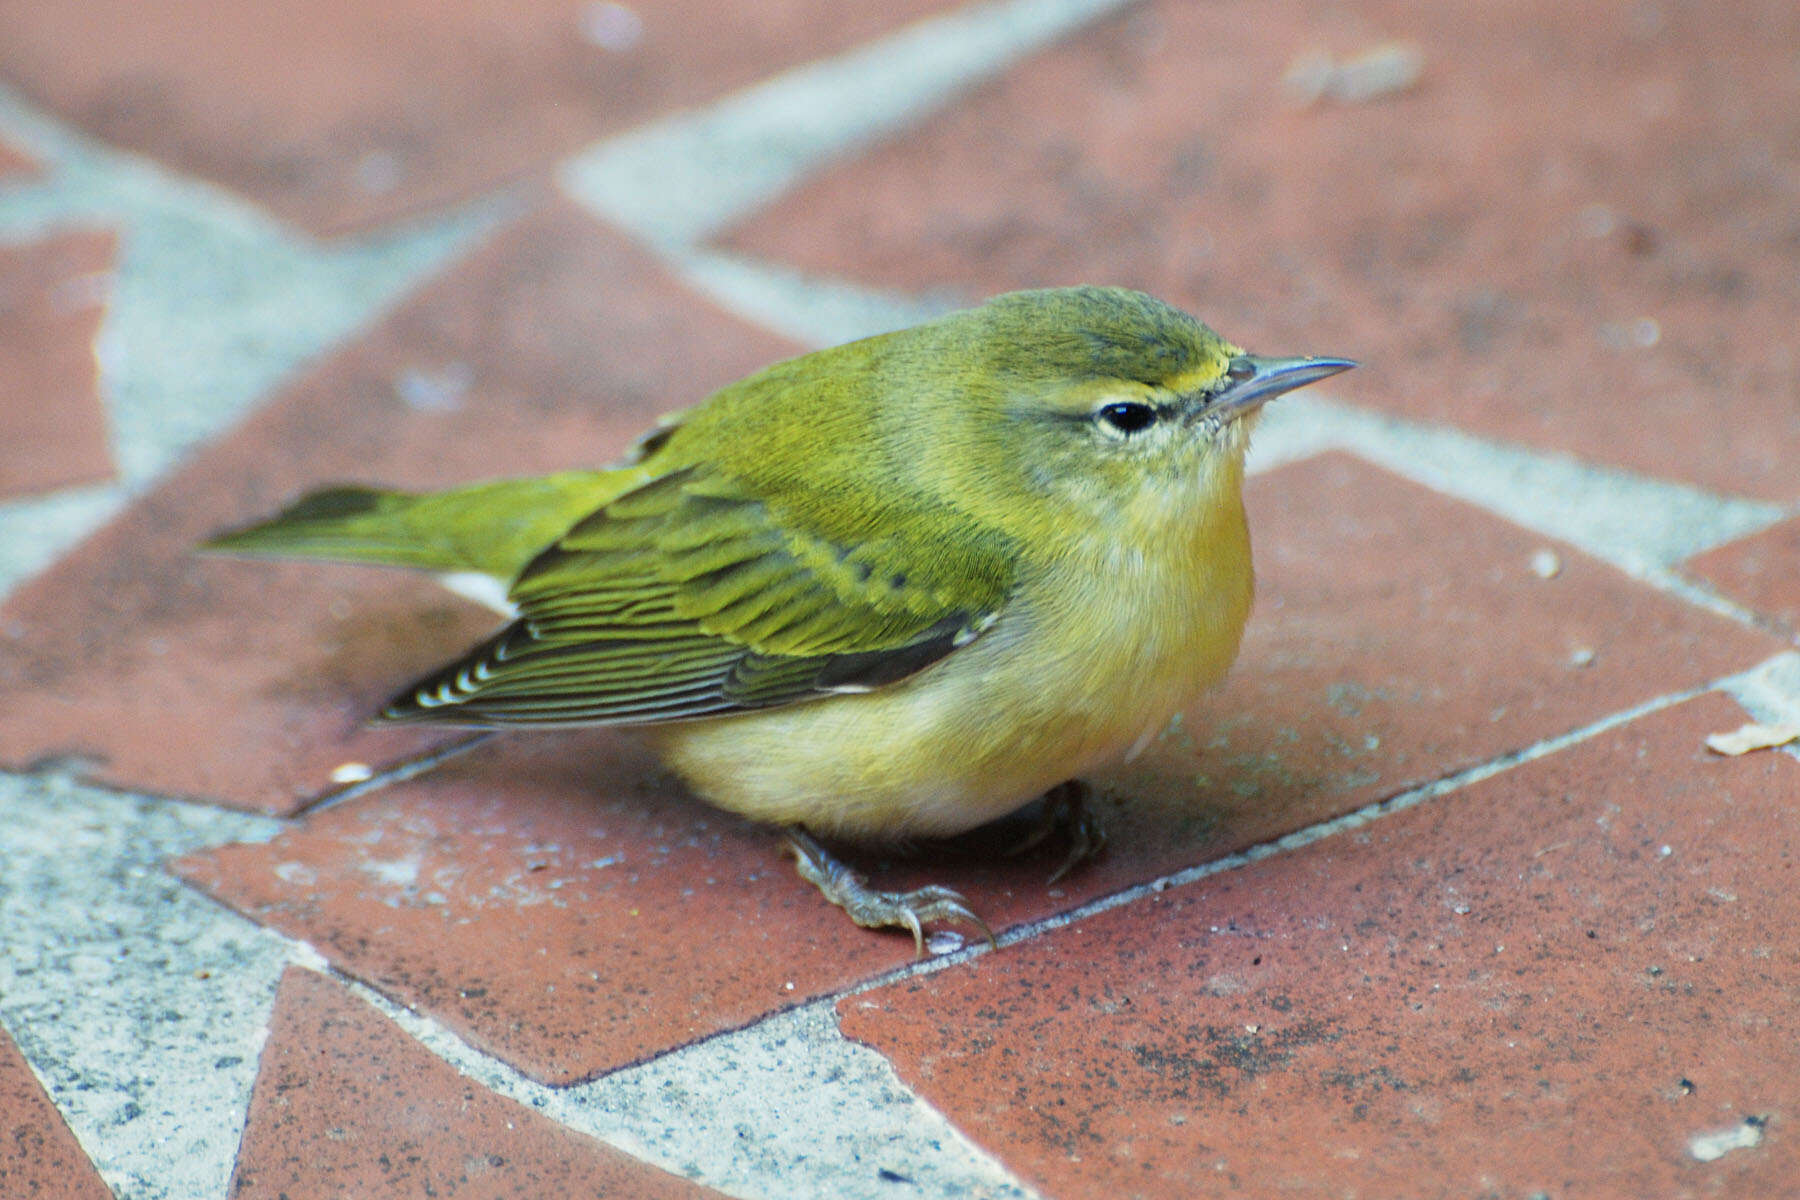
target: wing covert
<point>687,597</point>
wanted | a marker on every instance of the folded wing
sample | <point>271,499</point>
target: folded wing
<point>687,597</point>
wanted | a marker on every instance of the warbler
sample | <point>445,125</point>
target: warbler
<point>892,589</point>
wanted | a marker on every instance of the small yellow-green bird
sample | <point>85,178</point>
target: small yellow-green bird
<point>896,588</point>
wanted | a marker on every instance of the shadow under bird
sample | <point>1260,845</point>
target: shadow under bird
<point>893,589</point>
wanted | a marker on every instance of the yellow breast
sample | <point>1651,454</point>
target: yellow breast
<point>1091,658</point>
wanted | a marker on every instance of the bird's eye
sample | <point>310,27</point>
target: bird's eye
<point>1127,416</point>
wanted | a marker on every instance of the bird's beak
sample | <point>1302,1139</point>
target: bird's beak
<point>1251,381</point>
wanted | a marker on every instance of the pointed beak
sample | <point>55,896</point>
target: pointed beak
<point>1252,381</point>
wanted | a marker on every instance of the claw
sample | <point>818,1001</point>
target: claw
<point>1065,810</point>
<point>878,910</point>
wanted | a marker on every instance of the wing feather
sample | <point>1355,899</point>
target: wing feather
<point>686,598</point>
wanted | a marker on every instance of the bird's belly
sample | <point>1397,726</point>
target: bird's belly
<point>988,729</point>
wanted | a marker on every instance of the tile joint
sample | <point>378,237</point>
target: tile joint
<point>1775,682</point>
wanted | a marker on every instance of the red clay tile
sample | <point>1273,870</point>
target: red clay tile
<point>1761,571</point>
<point>39,1157</point>
<point>556,902</point>
<point>346,1104</point>
<point>339,115</point>
<point>52,426</point>
<point>248,682</point>
<point>1546,985</point>
<point>14,161</point>
<point>1577,231</point>
<point>1400,636</point>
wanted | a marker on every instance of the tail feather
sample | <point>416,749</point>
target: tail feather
<point>493,528</point>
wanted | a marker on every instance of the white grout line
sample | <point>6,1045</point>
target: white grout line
<point>1641,525</point>
<point>101,979</point>
<point>200,325</point>
<point>785,1109</point>
<point>1770,692</point>
<point>210,304</point>
<point>1306,836</point>
<point>1634,522</point>
<point>630,1108</point>
<point>141,1005</point>
<point>680,180</point>
<point>812,311</point>
<point>35,531</point>
<point>1704,597</point>
<point>156,1044</point>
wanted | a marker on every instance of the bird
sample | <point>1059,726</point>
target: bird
<point>893,589</point>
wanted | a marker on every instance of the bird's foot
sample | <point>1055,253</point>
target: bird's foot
<point>1065,812</point>
<point>871,909</point>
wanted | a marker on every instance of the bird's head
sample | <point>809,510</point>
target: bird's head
<point>1103,401</point>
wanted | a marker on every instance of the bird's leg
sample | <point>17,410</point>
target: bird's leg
<point>876,910</point>
<point>1066,812</point>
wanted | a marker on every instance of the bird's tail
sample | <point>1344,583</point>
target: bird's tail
<point>494,528</point>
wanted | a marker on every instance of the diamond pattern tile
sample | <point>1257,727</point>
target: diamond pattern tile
<point>341,115</point>
<point>1576,231</point>
<point>248,682</point>
<point>346,1104</point>
<point>558,900</point>
<point>1576,978</point>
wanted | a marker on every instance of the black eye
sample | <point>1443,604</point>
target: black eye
<point>1127,416</point>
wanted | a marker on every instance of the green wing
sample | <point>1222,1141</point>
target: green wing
<point>687,597</point>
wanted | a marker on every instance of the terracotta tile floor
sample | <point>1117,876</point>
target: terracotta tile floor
<point>1607,270</point>
<point>341,115</point>
<point>434,893</point>
<point>38,1154</point>
<point>1440,894</point>
<point>506,363</point>
<point>52,299</point>
<point>1761,571</point>
<point>346,1104</point>
<point>14,161</point>
<point>1544,983</point>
